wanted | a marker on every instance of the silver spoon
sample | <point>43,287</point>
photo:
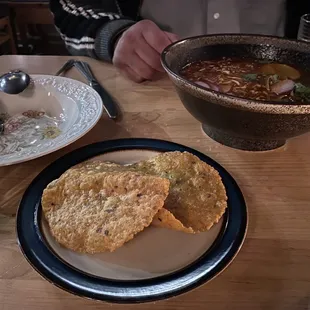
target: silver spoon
<point>14,82</point>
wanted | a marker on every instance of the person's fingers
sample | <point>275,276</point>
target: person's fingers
<point>172,36</point>
<point>149,55</point>
<point>139,66</point>
<point>137,52</point>
<point>131,74</point>
<point>156,38</point>
<point>124,68</point>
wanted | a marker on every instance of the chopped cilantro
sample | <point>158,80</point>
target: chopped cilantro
<point>302,91</point>
<point>250,77</point>
<point>301,88</point>
<point>275,78</point>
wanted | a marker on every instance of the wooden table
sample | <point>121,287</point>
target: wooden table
<point>272,271</point>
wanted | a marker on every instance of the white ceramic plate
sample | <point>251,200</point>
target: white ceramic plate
<point>73,107</point>
<point>157,263</point>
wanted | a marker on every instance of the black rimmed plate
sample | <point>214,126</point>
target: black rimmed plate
<point>158,263</point>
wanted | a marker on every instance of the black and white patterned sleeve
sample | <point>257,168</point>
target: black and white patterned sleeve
<point>90,27</point>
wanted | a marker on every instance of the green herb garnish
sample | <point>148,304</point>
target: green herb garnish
<point>274,78</point>
<point>250,77</point>
<point>302,91</point>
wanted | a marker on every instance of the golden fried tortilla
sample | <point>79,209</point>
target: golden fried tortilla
<point>197,196</point>
<point>98,212</point>
<point>163,218</point>
<point>166,219</point>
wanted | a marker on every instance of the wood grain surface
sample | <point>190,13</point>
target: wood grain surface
<point>272,270</point>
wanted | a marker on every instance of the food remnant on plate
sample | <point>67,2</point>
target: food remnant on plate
<point>251,79</point>
<point>27,129</point>
<point>99,212</point>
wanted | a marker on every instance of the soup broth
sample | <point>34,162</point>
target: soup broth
<point>251,79</point>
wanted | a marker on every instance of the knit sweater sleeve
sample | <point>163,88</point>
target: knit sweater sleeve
<point>90,27</point>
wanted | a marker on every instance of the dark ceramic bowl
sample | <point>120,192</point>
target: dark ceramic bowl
<point>236,122</point>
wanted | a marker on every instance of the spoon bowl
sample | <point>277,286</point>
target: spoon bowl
<point>14,82</point>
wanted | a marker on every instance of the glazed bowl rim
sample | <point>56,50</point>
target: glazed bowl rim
<point>229,100</point>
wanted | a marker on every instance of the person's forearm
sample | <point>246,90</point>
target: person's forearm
<point>89,27</point>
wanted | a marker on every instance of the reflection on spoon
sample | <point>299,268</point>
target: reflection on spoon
<point>14,82</point>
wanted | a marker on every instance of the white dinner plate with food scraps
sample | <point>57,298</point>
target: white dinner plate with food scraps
<point>50,114</point>
<point>158,263</point>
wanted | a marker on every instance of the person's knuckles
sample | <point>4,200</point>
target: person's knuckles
<point>134,33</point>
<point>127,49</point>
<point>151,32</point>
<point>129,37</point>
<point>172,36</point>
<point>117,60</point>
<point>145,71</point>
<point>131,75</point>
<point>155,63</point>
<point>152,59</point>
<point>146,24</point>
<point>121,55</point>
<point>156,39</point>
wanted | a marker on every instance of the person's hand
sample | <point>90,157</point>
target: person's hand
<point>137,52</point>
